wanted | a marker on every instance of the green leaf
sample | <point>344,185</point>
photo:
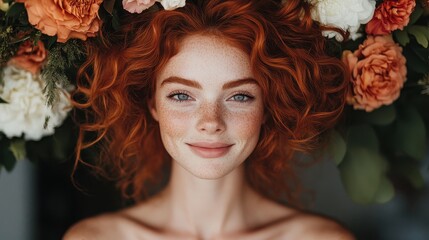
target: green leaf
<point>381,116</point>
<point>385,191</point>
<point>17,147</point>
<point>410,132</point>
<point>361,172</point>
<point>401,36</point>
<point>415,63</point>
<point>51,41</point>
<point>7,158</point>
<point>337,147</point>
<point>410,170</point>
<point>15,10</point>
<point>363,136</point>
<point>421,33</point>
<point>415,15</point>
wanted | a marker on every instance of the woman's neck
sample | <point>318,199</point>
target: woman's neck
<point>207,208</point>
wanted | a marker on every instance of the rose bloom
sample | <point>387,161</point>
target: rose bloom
<point>172,4</point>
<point>30,57</point>
<point>378,72</point>
<point>347,15</point>
<point>137,6</point>
<point>66,19</point>
<point>389,16</point>
<point>25,111</point>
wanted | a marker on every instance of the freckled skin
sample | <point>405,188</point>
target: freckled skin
<point>211,115</point>
<point>208,198</point>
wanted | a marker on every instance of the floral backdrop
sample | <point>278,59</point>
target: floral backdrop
<point>377,148</point>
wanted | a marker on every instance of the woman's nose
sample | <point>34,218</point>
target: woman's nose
<point>211,119</point>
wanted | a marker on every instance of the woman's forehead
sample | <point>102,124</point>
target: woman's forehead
<point>207,58</point>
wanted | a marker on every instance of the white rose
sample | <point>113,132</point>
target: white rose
<point>26,109</point>
<point>4,6</point>
<point>345,14</point>
<point>172,4</point>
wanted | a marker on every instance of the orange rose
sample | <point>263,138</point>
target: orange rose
<point>66,19</point>
<point>389,16</point>
<point>30,57</point>
<point>378,72</point>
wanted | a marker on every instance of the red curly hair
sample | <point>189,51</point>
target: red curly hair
<point>304,89</point>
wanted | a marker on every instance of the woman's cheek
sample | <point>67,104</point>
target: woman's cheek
<point>174,121</point>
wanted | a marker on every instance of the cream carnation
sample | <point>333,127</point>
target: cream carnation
<point>172,4</point>
<point>347,15</point>
<point>26,109</point>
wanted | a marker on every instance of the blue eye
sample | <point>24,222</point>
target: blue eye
<point>241,98</point>
<point>179,97</point>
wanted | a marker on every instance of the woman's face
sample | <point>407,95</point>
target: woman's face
<point>209,107</point>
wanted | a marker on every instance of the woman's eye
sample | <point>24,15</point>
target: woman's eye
<point>241,98</point>
<point>180,97</point>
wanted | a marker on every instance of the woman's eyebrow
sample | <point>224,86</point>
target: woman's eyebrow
<point>183,81</point>
<point>195,84</point>
<point>238,82</point>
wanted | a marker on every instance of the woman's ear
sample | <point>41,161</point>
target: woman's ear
<point>151,104</point>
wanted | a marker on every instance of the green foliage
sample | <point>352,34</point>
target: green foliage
<point>7,159</point>
<point>337,149</point>
<point>362,172</point>
<point>421,33</point>
<point>62,57</point>
<point>382,116</point>
<point>386,145</point>
<point>410,132</point>
<point>17,147</point>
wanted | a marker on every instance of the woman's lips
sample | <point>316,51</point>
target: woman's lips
<point>210,150</point>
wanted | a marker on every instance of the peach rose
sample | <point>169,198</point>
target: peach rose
<point>30,57</point>
<point>389,16</point>
<point>378,72</point>
<point>66,19</point>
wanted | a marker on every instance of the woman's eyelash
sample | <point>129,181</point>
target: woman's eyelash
<point>242,97</point>
<point>179,96</point>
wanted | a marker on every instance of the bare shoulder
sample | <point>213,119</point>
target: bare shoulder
<point>106,226</point>
<point>309,226</point>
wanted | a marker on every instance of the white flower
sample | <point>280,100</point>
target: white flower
<point>172,4</point>
<point>4,6</point>
<point>26,109</point>
<point>345,14</point>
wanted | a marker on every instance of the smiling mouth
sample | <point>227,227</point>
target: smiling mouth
<point>210,150</point>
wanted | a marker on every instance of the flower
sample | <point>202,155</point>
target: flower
<point>378,72</point>
<point>137,6</point>
<point>4,6</point>
<point>66,19</point>
<point>30,57</point>
<point>389,16</point>
<point>26,109</point>
<point>172,4</point>
<point>347,15</point>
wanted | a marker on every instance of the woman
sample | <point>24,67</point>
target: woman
<point>220,95</point>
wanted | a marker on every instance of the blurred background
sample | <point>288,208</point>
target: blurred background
<point>39,201</point>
